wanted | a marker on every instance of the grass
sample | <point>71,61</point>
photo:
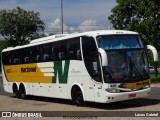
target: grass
<point>155,79</point>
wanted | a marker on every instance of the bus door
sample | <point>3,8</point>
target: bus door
<point>97,77</point>
<point>91,60</point>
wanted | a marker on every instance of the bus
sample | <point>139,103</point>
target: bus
<point>100,66</point>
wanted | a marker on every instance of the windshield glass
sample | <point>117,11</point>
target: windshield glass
<point>118,42</point>
<point>126,66</point>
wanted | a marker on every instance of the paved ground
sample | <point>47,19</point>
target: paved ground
<point>152,103</point>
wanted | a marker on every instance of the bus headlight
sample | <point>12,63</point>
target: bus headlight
<point>146,86</point>
<point>112,88</point>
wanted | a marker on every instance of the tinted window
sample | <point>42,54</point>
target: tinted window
<point>5,58</point>
<point>36,53</point>
<point>91,58</point>
<point>16,57</point>
<point>61,50</point>
<point>118,42</point>
<point>25,55</point>
<point>46,52</point>
<point>73,49</point>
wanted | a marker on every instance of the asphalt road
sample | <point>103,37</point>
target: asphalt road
<point>117,111</point>
<point>153,99</point>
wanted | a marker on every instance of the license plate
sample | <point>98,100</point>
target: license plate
<point>131,95</point>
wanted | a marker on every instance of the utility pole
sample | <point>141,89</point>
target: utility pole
<point>62,15</point>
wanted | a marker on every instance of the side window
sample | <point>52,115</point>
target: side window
<point>36,53</point>
<point>10,58</point>
<point>91,58</point>
<point>46,52</point>
<point>96,70</point>
<point>26,55</point>
<point>6,58</point>
<point>73,49</point>
<point>59,50</point>
<point>16,57</point>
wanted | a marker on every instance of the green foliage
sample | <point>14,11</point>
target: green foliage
<point>18,25</point>
<point>3,45</point>
<point>154,79</point>
<point>36,36</point>
<point>142,16</point>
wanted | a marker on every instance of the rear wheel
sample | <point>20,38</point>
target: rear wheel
<point>16,91</point>
<point>77,96</point>
<point>16,94</point>
<point>22,92</point>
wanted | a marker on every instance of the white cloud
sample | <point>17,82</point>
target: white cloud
<point>55,27</point>
<point>87,25</point>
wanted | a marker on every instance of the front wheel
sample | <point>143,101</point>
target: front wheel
<point>77,97</point>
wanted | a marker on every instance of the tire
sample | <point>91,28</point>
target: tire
<point>16,91</point>
<point>77,97</point>
<point>16,94</point>
<point>22,93</point>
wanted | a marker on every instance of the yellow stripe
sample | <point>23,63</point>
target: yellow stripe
<point>14,73</point>
<point>136,85</point>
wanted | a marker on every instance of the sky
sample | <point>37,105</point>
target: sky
<point>78,15</point>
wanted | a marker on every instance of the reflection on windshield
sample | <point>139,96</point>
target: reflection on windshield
<point>118,42</point>
<point>126,66</point>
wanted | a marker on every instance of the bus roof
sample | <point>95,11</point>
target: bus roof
<point>59,37</point>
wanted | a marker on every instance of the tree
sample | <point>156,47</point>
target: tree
<point>142,16</point>
<point>3,45</point>
<point>18,25</point>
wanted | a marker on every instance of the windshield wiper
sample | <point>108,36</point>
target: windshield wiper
<point>135,70</point>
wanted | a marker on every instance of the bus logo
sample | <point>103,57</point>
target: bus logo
<point>61,71</point>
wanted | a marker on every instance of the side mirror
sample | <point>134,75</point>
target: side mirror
<point>155,57</point>
<point>154,52</point>
<point>103,57</point>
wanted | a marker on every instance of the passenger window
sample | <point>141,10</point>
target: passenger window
<point>16,57</point>
<point>6,58</point>
<point>73,49</point>
<point>79,57</point>
<point>16,61</point>
<point>36,53</point>
<point>26,60</point>
<point>25,55</point>
<point>61,56</point>
<point>59,50</point>
<point>47,52</point>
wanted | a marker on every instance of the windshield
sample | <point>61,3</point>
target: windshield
<point>118,42</point>
<point>126,66</point>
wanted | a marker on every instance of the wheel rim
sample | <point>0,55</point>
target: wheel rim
<point>23,94</point>
<point>77,97</point>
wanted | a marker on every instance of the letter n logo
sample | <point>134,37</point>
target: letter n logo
<point>61,71</point>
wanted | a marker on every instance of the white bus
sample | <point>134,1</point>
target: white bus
<point>98,66</point>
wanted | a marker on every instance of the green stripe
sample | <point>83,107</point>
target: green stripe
<point>59,73</point>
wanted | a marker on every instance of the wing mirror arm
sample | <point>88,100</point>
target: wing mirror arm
<point>154,52</point>
<point>104,58</point>
<point>155,57</point>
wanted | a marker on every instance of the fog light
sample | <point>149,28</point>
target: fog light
<point>113,90</point>
<point>146,86</point>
